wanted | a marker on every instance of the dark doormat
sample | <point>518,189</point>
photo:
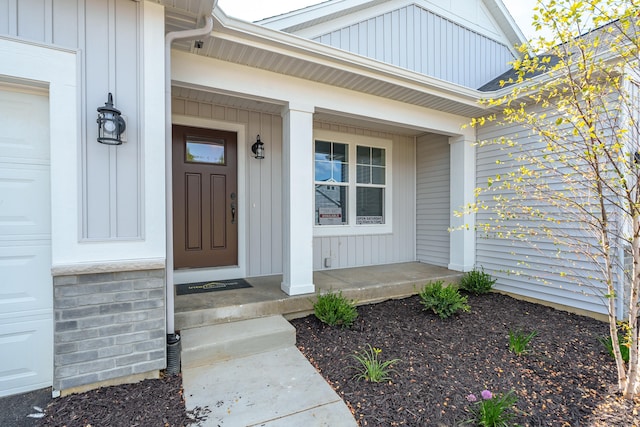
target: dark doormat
<point>217,285</point>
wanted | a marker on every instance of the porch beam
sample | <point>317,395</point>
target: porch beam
<point>297,199</point>
<point>462,241</point>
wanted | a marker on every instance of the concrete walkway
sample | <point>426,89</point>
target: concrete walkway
<point>275,388</point>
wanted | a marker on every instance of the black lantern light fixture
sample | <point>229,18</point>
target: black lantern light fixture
<point>110,124</point>
<point>258,149</point>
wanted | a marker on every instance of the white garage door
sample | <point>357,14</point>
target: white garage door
<point>26,289</point>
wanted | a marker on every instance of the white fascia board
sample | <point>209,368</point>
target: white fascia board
<point>296,47</point>
<point>200,72</point>
<point>311,13</point>
<point>504,20</point>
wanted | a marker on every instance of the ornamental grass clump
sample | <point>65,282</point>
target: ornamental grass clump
<point>371,367</point>
<point>477,282</point>
<point>624,341</point>
<point>335,310</point>
<point>492,410</point>
<point>444,301</point>
<point>519,341</point>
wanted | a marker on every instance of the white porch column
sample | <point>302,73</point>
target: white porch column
<point>462,243</point>
<point>297,200</point>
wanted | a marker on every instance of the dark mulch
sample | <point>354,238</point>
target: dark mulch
<point>157,402</point>
<point>566,380</point>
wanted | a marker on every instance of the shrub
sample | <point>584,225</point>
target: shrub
<point>371,368</point>
<point>519,341</point>
<point>442,300</point>
<point>477,282</point>
<point>492,410</point>
<point>335,310</point>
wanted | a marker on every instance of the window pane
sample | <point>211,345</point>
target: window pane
<point>340,152</point>
<point>340,172</point>
<point>377,156</point>
<point>323,150</point>
<point>205,152</point>
<point>331,205</point>
<point>377,175</point>
<point>364,174</point>
<point>369,205</point>
<point>364,155</point>
<point>323,171</point>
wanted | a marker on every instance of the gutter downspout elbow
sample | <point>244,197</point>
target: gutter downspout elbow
<point>169,39</point>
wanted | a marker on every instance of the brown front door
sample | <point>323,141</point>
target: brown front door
<point>205,200</point>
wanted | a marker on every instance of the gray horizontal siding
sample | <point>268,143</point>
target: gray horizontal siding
<point>432,200</point>
<point>420,40</point>
<point>532,268</point>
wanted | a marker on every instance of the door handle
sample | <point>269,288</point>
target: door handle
<point>233,208</point>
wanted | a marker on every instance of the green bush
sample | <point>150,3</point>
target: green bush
<point>442,300</point>
<point>335,310</point>
<point>477,282</point>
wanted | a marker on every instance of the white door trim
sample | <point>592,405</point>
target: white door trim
<point>220,273</point>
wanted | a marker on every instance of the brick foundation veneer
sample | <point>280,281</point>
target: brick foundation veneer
<point>108,325</point>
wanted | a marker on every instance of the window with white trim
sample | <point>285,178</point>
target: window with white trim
<point>352,184</point>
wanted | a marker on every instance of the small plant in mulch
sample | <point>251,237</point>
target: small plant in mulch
<point>335,310</point>
<point>624,341</point>
<point>371,367</point>
<point>444,301</point>
<point>519,341</point>
<point>492,410</point>
<point>477,282</point>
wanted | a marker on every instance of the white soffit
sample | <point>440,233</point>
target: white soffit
<point>254,46</point>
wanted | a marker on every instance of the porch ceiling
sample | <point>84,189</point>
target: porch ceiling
<point>255,46</point>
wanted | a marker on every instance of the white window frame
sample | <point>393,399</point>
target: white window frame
<point>351,228</point>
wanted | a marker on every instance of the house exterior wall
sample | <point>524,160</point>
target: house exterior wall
<point>433,203</point>
<point>534,272</point>
<point>373,249</point>
<point>103,217</point>
<point>110,36</point>
<point>421,40</point>
<point>108,325</point>
<point>264,191</point>
<point>263,185</point>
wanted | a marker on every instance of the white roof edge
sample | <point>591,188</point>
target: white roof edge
<point>501,14</point>
<point>307,49</point>
<point>309,13</point>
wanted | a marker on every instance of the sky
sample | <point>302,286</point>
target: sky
<point>253,10</point>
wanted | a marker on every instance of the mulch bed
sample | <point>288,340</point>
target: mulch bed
<point>156,402</point>
<point>566,379</point>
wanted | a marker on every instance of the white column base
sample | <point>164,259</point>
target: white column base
<point>297,289</point>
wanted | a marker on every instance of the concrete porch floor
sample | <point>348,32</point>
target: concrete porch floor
<point>265,298</point>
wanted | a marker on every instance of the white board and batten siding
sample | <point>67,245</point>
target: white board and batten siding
<point>420,40</point>
<point>26,296</point>
<point>374,249</point>
<point>520,268</point>
<point>433,205</point>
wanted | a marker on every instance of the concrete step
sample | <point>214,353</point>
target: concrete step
<point>215,343</point>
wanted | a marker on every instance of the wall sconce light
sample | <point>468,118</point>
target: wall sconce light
<point>258,149</point>
<point>110,124</point>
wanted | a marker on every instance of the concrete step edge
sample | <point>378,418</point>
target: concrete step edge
<point>209,344</point>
